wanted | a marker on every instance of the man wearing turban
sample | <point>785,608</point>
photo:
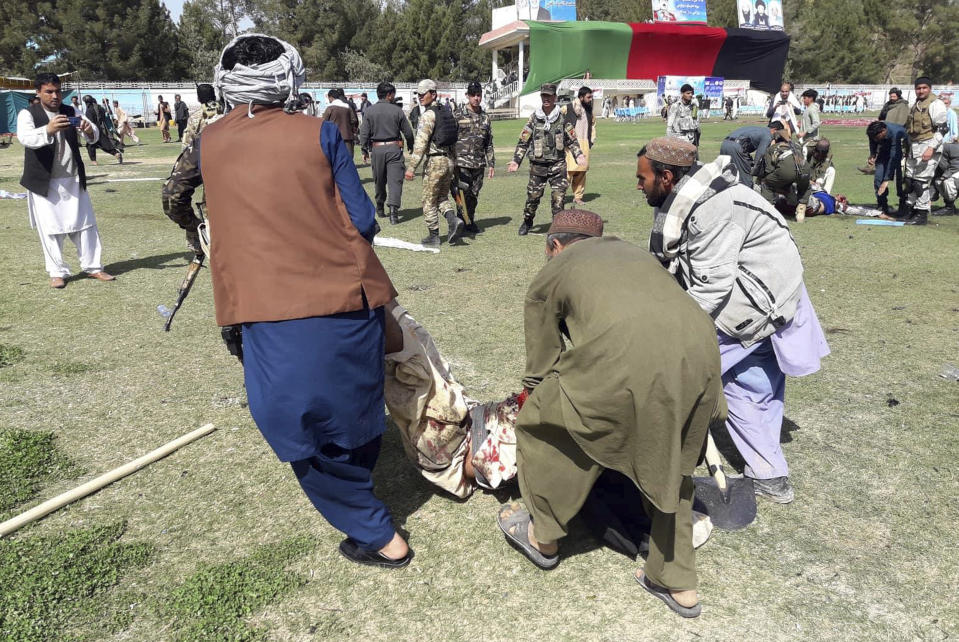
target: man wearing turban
<point>293,266</point>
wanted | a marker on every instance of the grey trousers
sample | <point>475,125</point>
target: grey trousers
<point>388,169</point>
<point>742,160</point>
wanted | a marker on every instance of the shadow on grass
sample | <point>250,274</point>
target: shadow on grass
<point>486,223</point>
<point>403,216</point>
<point>727,448</point>
<point>398,482</point>
<point>158,262</point>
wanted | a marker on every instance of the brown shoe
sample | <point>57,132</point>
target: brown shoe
<point>57,282</point>
<point>101,276</point>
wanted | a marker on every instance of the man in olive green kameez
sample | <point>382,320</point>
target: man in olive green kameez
<point>623,372</point>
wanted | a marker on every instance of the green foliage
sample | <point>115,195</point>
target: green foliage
<point>71,368</point>
<point>615,10</point>
<point>203,32</point>
<point>45,581</point>
<point>121,40</point>
<point>211,603</point>
<point>28,458</point>
<point>23,38</point>
<point>10,355</point>
<point>842,41</point>
<point>825,49</point>
<point>358,66</point>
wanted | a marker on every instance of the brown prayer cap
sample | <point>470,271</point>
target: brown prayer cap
<point>671,151</point>
<point>576,222</point>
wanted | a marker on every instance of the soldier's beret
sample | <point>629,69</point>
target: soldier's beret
<point>671,151</point>
<point>576,222</point>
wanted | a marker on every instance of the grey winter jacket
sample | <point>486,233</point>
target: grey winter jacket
<point>739,261</point>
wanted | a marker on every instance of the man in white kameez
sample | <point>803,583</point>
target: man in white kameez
<point>54,177</point>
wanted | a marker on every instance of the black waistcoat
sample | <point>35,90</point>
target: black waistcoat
<point>38,163</point>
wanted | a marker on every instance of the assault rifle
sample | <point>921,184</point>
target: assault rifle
<point>185,285</point>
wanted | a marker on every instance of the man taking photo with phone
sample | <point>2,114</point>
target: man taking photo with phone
<point>56,182</point>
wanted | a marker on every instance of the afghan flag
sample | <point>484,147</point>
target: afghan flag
<point>643,51</point>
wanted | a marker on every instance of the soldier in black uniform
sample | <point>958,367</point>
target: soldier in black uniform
<point>380,132</point>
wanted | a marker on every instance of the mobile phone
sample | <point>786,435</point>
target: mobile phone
<point>75,120</point>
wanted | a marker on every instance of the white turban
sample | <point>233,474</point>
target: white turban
<point>268,83</point>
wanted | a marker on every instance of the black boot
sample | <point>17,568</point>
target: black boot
<point>905,212</point>
<point>456,226</point>
<point>394,217</point>
<point>525,225</point>
<point>379,210</point>
<point>432,240</point>
<point>949,209</point>
<point>919,217</point>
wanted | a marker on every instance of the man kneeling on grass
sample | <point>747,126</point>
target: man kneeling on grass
<point>622,373</point>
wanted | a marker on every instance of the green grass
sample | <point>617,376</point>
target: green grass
<point>867,550</point>
<point>46,581</point>
<point>212,603</point>
<point>10,355</point>
<point>28,459</point>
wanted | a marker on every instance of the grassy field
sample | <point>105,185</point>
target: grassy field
<point>218,542</point>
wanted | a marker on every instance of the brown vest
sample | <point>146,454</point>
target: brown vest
<point>283,245</point>
<point>919,124</point>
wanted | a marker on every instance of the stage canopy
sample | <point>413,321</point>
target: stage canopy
<point>636,50</point>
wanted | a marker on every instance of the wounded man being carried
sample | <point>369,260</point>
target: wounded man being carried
<point>460,444</point>
<point>456,442</point>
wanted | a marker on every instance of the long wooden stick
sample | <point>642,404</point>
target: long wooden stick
<point>106,479</point>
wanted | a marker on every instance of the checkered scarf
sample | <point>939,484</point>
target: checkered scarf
<point>268,83</point>
<point>698,186</point>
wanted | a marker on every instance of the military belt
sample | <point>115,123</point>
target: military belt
<point>379,143</point>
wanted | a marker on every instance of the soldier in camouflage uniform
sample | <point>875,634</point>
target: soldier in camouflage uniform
<point>437,171</point>
<point>474,150</point>
<point>210,110</point>
<point>682,120</point>
<point>178,197</point>
<point>177,201</point>
<point>550,134</point>
<point>784,176</point>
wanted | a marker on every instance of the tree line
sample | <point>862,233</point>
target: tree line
<point>840,41</point>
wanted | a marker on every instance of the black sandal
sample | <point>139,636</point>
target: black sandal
<point>352,551</point>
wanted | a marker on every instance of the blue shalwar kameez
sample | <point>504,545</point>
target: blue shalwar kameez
<point>315,389</point>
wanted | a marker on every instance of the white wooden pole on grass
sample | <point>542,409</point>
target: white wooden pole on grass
<point>106,479</point>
